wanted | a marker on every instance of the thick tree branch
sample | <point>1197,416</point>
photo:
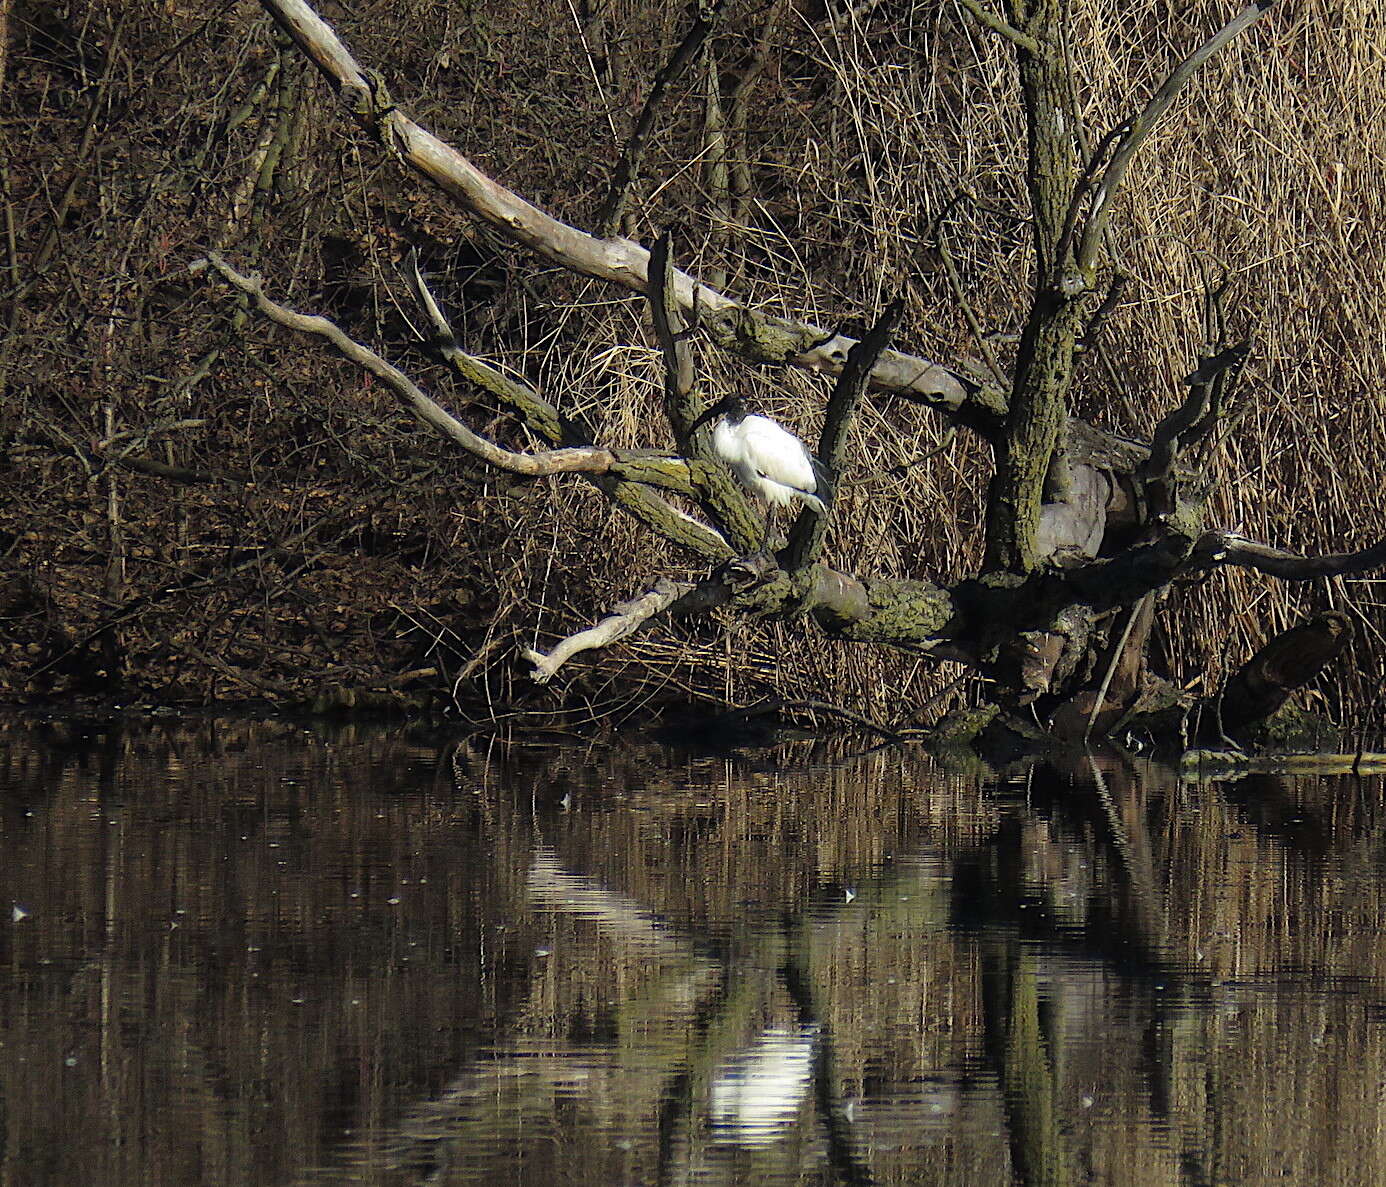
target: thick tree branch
<point>1122,580</point>
<point>1187,424</point>
<point>842,404</point>
<point>683,402</point>
<point>719,492</point>
<point>1285,663</point>
<point>730,324</point>
<point>916,616</point>
<point>807,535</point>
<point>1215,549</point>
<point>539,415</point>
<point>628,618</point>
<point>545,420</point>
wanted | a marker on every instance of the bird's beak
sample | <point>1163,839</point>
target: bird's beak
<point>708,414</point>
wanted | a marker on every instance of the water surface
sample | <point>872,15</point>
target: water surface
<point>252,952</point>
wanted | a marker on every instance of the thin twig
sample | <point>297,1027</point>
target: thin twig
<point>903,468</point>
<point>955,283</point>
<point>1117,653</point>
<point>628,168</point>
<point>775,705</point>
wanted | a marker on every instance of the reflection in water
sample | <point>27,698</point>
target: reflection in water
<point>249,952</point>
<point>757,1093</point>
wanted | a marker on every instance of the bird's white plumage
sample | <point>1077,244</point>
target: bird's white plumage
<point>768,459</point>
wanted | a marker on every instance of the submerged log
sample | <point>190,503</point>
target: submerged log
<point>1199,765</point>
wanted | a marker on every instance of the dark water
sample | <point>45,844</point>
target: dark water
<point>249,952</point>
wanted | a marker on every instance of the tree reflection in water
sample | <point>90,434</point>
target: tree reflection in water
<point>252,952</point>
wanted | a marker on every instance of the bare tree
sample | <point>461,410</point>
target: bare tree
<point>1084,530</point>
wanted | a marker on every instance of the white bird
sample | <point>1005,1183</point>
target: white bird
<point>767,458</point>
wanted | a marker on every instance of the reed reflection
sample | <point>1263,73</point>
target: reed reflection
<point>254,952</point>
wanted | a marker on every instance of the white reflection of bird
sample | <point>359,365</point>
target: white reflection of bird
<point>756,1094</point>
<point>767,458</point>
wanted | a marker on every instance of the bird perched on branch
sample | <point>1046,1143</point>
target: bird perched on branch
<point>767,458</point>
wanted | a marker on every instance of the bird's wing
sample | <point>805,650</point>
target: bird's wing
<point>778,454</point>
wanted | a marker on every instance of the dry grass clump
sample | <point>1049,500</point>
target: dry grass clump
<point>860,133</point>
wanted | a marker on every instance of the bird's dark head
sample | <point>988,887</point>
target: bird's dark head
<point>732,407</point>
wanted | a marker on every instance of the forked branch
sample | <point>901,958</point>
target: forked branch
<point>587,460</point>
<point>1186,425</point>
<point>721,496</point>
<point>1137,130</point>
<point>627,466</point>
<point>544,419</point>
<point>539,415</point>
<point>626,619</point>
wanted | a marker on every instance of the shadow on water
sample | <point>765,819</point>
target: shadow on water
<point>253,952</point>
